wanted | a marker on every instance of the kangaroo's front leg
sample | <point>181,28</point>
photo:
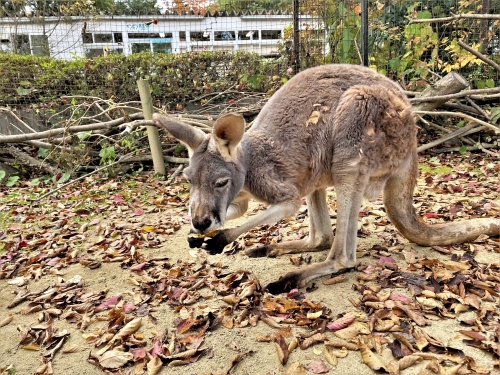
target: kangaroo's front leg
<point>271,215</point>
<point>320,231</point>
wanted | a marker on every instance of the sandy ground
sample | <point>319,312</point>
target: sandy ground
<point>225,342</point>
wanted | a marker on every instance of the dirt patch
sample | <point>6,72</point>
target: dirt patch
<point>128,235</point>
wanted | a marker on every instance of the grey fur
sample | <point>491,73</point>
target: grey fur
<point>340,125</point>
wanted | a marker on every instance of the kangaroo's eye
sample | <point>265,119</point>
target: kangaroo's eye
<point>221,183</point>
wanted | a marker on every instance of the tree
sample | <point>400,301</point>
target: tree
<point>136,7</point>
<point>250,5</point>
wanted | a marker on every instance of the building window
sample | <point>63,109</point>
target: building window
<point>199,36</point>
<point>118,37</point>
<point>182,36</point>
<point>95,52</point>
<point>162,47</point>
<point>224,35</point>
<point>22,44</point>
<point>270,34</point>
<point>40,45</point>
<point>248,34</point>
<point>143,35</point>
<point>87,38</point>
<point>103,38</point>
<point>141,47</point>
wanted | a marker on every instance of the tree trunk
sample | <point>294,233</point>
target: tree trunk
<point>449,84</point>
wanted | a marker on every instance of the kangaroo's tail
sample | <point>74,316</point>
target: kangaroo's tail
<point>398,200</point>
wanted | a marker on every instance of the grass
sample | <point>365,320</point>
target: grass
<point>442,169</point>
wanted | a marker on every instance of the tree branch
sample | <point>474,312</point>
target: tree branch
<point>457,17</point>
<point>455,96</point>
<point>495,129</point>
<point>479,55</point>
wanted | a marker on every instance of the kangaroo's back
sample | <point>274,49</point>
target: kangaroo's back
<point>316,120</point>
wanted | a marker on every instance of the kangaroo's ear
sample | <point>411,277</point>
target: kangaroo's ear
<point>228,131</point>
<point>188,135</point>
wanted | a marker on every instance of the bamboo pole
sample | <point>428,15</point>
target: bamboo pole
<point>153,135</point>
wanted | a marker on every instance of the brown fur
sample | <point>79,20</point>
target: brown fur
<point>340,125</point>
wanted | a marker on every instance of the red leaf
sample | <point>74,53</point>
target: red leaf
<point>473,334</point>
<point>317,367</point>
<point>456,189</point>
<point>138,212</point>
<point>292,292</point>
<point>138,353</point>
<point>138,267</point>
<point>383,260</point>
<point>399,297</point>
<point>184,325</point>
<point>105,305</point>
<point>157,349</point>
<point>128,307</point>
<point>341,323</point>
<point>431,215</point>
<point>232,101</point>
<point>118,198</point>
<point>53,261</point>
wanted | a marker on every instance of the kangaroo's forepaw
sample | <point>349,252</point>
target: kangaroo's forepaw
<point>217,243</point>
<point>258,252</point>
<point>285,283</point>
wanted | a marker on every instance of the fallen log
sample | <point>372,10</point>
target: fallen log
<point>434,95</point>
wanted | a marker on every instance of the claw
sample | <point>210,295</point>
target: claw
<point>257,252</point>
<point>284,284</point>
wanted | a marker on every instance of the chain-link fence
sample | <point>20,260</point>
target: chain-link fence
<point>54,48</point>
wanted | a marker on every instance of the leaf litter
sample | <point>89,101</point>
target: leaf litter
<point>397,300</point>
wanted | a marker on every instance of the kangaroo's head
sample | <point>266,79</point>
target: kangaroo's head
<point>215,172</point>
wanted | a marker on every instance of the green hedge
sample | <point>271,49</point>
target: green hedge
<point>173,78</point>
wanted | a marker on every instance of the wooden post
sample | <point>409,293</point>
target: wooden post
<point>153,136</point>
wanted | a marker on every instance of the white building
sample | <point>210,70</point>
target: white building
<point>67,37</point>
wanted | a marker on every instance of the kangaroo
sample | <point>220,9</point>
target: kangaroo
<point>334,125</point>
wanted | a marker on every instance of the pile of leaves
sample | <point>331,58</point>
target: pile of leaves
<point>399,292</point>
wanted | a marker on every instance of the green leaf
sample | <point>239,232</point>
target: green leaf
<point>2,174</point>
<point>25,83</point>
<point>495,114</point>
<point>490,83</point>
<point>463,149</point>
<point>64,178</point>
<point>84,135</point>
<point>22,91</point>
<point>35,182</point>
<point>11,181</point>
<point>43,153</point>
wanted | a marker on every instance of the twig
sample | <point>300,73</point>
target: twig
<point>482,147</point>
<point>443,129</point>
<point>460,114</point>
<point>175,174</point>
<point>168,159</point>
<point>478,108</point>
<point>447,137</point>
<point>457,17</point>
<point>455,96</point>
<point>81,178</point>
<point>18,119</point>
<point>479,55</point>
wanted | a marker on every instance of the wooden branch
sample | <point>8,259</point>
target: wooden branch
<point>444,130</point>
<point>483,147</point>
<point>30,161</point>
<point>450,84</point>
<point>148,157</point>
<point>175,174</point>
<point>479,55</point>
<point>457,133</point>
<point>457,17</point>
<point>493,128</point>
<point>71,129</point>
<point>457,95</point>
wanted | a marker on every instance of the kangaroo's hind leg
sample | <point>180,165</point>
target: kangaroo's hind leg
<point>342,254</point>
<point>320,231</point>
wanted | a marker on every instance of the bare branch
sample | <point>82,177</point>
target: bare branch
<point>479,55</point>
<point>457,17</point>
<point>494,128</point>
<point>457,95</point>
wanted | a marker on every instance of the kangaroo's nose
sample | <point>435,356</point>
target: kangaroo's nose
<point>201,224</point>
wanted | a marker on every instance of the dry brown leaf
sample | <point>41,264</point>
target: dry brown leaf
<point>295,368</point>
<point>353,331</point>
<point>335,280</point>
<point>408,361</point>
<point>6,320</point>
<point>74,349</point>
<point>128,329</point>
<point>318,337</point>
<point>337,342</point>
<point>330,357</point>
<point>371,359</point>
<point>115,358</point>
<point>154,365</point>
